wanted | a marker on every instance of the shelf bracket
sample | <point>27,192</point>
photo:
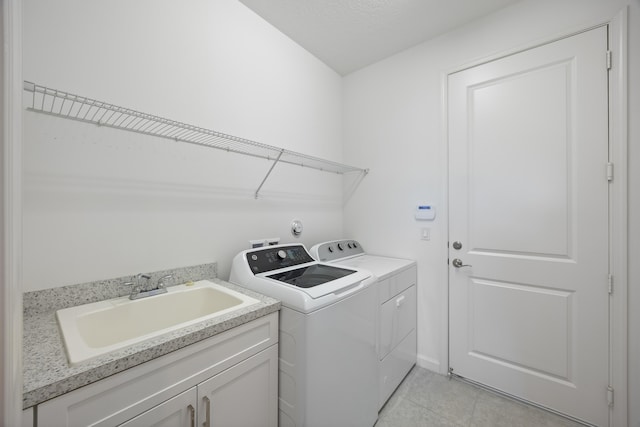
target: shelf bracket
<point>269,172</point>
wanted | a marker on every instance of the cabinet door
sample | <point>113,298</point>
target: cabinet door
<point>178,411</point>
<point>243,395</point>
<point>397,320</point>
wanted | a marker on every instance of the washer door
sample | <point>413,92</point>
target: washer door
<point>312,275</point>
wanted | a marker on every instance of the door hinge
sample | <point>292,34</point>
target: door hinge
<point>609,171</point>
<point>609,60</point>
<point>610,282</point>
<point>610,395</point>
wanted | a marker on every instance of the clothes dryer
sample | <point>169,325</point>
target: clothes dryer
<point>396,289</point>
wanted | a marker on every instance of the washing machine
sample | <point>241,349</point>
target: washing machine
<point>396,303</point>
<point>328,361</point>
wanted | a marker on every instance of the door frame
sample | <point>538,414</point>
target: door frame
<point>618,193</point>
<point>11,213</point>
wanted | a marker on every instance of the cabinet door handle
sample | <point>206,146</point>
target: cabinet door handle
<point>207,409</point>
<point>192,415</point>
<point>400,301</point>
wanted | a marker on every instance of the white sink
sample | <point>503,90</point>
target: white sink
<point>92,330</point>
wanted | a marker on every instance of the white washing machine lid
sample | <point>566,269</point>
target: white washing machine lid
<point>336,285</point>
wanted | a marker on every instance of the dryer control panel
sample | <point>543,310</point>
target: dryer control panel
<point>337,249</point>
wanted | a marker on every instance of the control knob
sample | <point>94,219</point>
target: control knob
<point>340,246</point>
<point>282,254</point>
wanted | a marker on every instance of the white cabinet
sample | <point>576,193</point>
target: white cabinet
<point>243,395</point>
<point>235,370</point>
<point>398,317</point>
<point>179,411</point>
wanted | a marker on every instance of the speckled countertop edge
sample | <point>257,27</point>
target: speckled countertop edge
<point>47,300</point>
<point>47,373</point>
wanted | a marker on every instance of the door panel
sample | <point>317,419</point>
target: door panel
<point>243,395</point>
<point>519,136</point>
<point>507,327</point>
<point>528,194</point>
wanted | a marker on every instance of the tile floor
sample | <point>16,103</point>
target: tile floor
<point>427,399</point>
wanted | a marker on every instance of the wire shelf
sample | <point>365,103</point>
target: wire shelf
<point>63,104</point>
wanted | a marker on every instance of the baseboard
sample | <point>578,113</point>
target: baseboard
<point>431,364</point>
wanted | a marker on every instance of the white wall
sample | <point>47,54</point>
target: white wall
<point>393,124</point>
<point>102,203</point>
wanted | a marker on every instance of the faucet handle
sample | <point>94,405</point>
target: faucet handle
<point>142,279</point>
<point>164,279</point>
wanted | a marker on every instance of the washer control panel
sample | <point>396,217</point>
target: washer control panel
<point>277,257</point>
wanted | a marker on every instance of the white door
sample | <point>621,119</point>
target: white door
<point>528,189</point>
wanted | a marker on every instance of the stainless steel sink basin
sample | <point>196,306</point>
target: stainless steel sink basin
<point>98,328</point>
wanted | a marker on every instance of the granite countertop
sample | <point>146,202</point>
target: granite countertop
<point>47,373</point>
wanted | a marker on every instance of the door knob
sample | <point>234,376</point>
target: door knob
<point>457,263</point>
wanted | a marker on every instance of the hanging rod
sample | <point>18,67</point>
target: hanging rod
<point>63,104</point>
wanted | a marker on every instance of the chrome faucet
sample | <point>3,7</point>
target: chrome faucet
<point>140,286</point>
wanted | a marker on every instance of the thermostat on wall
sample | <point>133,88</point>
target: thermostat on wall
<point>425,212</point>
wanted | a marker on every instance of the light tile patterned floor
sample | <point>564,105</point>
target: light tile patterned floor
<point>427,399</point>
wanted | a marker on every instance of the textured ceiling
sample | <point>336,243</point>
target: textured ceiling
<point>350,34</point>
